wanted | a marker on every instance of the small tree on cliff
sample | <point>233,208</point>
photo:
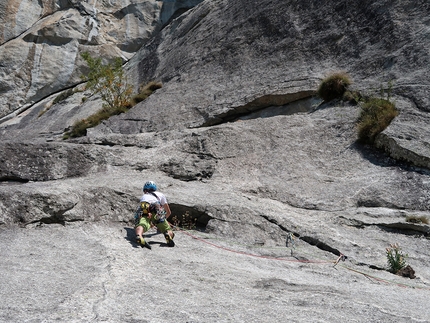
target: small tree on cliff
<point>110,82</point>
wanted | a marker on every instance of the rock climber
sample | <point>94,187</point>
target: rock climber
<point>153,211</point>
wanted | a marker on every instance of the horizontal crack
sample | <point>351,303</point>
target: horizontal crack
<point>320,245</point>
<point>264,102</point>
<point>405,228</point>
<point>13,179</point>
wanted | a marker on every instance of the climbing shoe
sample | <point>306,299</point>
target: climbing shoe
<point>169,240</point>
<point>143,243</point>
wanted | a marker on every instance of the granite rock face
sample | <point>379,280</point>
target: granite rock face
<point>238,141</point>
<point>41,41</point>
<point>274,54</point>
<point>98,276</point>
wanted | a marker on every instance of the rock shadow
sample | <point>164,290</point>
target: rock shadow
<point>131,238</point>
<point>380,158</point>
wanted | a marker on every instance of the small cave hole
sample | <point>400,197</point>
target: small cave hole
<point>188,218</point>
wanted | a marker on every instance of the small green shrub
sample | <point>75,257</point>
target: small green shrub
<point>333,86</point>
<point>376,114</point>
<point>417,219</point>
<point>80,127</point>
<point>186,221</point>
<point>107,80</point>
<point>395,258</point>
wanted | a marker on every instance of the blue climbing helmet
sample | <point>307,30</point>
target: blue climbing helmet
<point>149,186</point>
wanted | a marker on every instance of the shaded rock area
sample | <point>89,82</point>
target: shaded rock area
<point>293,215</point>
<point>407,271</point>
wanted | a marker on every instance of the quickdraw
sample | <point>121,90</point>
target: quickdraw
<point>290,238</point>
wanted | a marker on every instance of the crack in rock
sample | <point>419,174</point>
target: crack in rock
<point>397,227</point>
<point>267,105</point>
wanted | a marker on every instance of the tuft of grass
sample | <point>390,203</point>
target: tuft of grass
<point>46,109</point>
<point>63,96</point>
<point>59,98</point>
<point>417,219</point>
<point>395,258</point>
<point>80,127</point>
<point>353,97</point>
<point>145,91</point>
<point>333,86</point>
<point>376,114</point>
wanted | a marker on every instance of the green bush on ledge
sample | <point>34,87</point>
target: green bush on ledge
<point>333,86</point>
<point>376,115</point>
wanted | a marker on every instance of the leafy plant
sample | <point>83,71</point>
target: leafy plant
<point>395,258</point>
<point>333,86</point>
<point>376,114</point>
<point>78,129</point>
<point>109,81</point>
<point>186,221</point>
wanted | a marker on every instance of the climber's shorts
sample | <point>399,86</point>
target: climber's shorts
<point>145,223</point>
<point>163,226</point>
